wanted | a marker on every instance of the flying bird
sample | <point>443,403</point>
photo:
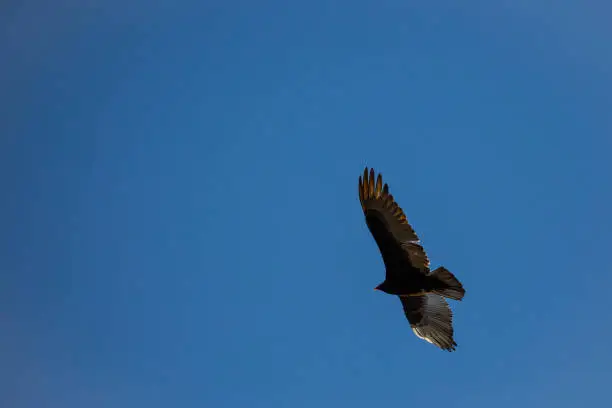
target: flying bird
<point>407,275</point>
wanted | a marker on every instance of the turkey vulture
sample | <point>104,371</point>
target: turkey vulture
<point>407,275</point>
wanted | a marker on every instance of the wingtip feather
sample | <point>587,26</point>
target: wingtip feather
<point>361,192</point>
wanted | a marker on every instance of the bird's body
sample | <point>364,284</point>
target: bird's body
<point>420,290</point>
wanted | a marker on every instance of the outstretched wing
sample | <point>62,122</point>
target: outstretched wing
<point>431,319</point>
<point>387,221</point>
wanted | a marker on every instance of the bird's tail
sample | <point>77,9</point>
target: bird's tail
<point>445,284</point>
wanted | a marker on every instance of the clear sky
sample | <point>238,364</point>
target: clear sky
<point>180,219</point>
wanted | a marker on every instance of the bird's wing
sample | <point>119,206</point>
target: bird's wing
<point>387,221</point>
<point>431,319</point>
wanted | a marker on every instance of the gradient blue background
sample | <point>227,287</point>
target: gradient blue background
<point>180,222</point>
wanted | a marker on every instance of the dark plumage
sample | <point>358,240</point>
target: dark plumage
<point>420,290</point>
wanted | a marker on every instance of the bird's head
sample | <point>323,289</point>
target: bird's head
<point>382,287</point>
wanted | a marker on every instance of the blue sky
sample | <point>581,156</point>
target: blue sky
<point>180,217</point>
